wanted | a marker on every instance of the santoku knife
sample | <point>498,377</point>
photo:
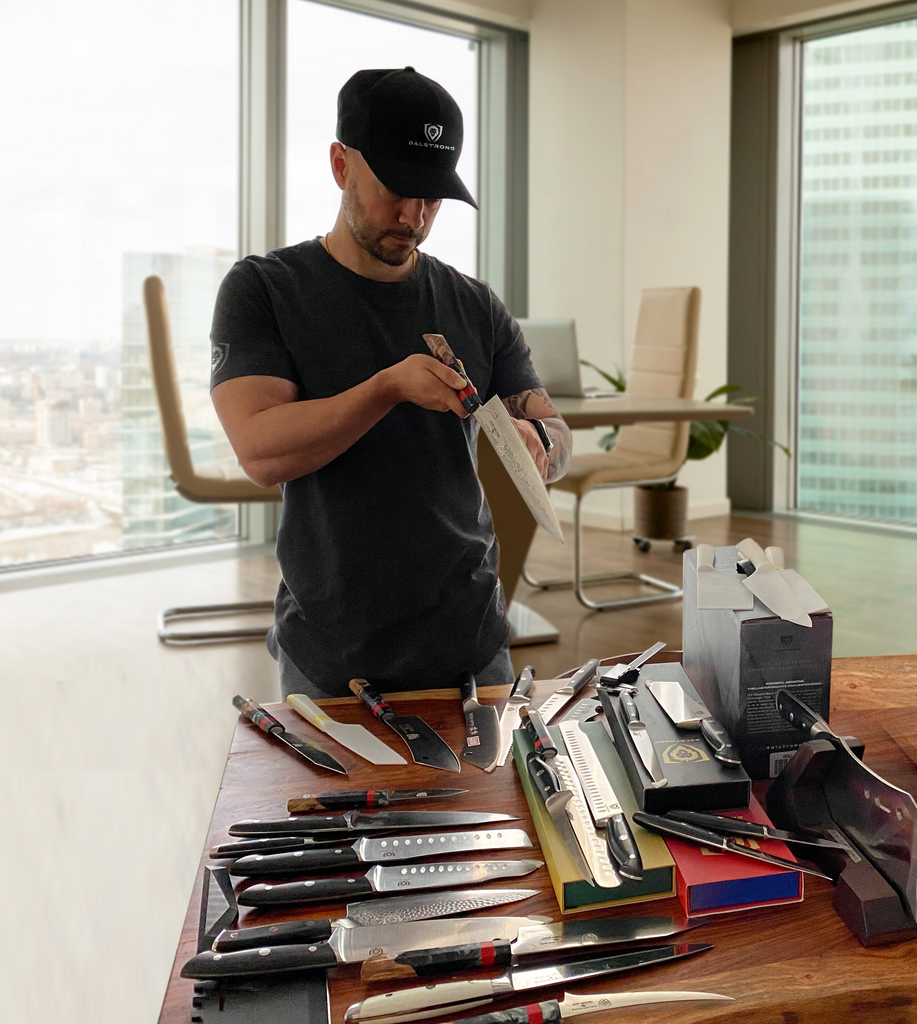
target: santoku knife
<point>532,940</point>
<point>687,713</point>
<point>269,725</point>
<point>482,728</point>
<point>364,798</point>
<point>509,720</point>
<point>579,681</point>
<point>390,850</point>
<point>385,879</point>
<point>426,746</point>
<point>461,995</point>
<point>354,737</point>
<point>359,821</point>
<point>769,586</point>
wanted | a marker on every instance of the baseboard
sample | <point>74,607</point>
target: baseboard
<point>617,522</point>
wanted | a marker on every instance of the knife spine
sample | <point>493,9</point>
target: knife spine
<point>594,847</point>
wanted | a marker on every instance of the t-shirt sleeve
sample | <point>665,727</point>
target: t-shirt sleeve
<point>513,371</point>
<point>245,339</point>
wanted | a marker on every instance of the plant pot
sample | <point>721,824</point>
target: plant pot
<point>661,515</point>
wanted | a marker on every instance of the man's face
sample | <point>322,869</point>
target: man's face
<point>388,226</point>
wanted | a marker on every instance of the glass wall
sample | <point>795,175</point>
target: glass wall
<point>119,159</point>
<point>858,275</point>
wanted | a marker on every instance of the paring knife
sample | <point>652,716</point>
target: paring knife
<point>332,943</point>
<point>358,821</point>
<point>482,728</point>
<point>391,912</point>
<point>269,725</point>
<point>556,799</point>
<point>496,423</point>
<point>365,798</point>
<point>626,675</point>
<point>641,738</point>
<point>509,720</point>
<point>355,738</point>
<point>740,827</point>
<point>460,995</point>
<point>579,681</point>
<point>769,586</point>
<point>385,879</point>
<point>811,601</point>
<point>426,746</point>
<point>532,940</point>
<point>379,851</point>
<point>666,826</point>
<point>553,1012</point>
<point>604,805</point>
<point>717,589</point>
<point>687,713</point>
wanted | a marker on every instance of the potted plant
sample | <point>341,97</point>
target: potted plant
<point>661,510</point>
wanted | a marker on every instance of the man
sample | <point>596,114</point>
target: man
<point>323,383</point>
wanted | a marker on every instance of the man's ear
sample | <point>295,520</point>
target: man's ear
<point>340,164</point>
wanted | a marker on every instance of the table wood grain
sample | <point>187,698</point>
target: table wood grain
<point>786,965</point>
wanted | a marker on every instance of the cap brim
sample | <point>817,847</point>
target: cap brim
<point>417,181</point>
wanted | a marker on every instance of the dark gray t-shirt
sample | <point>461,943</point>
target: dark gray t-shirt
<point>388,555</point>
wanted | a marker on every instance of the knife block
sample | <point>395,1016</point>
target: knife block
<point>863,899</point>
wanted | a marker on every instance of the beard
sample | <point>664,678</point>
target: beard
<point>371,238</point>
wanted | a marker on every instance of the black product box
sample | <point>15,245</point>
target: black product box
<point>695,780</point>
<point>739,660</point>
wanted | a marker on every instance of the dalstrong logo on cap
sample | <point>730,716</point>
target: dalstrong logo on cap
<point>433,131</point>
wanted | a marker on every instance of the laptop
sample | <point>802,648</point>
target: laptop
<point>555,357</point>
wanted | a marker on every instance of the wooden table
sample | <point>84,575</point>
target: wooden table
<point>786,965</point>
<point>513,523</point>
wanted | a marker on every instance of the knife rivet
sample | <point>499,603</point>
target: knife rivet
<point>217,956</point>
<point>312,949</point>
<point>299,853</point>
<point>265,951</point>
<point>266,888</point>
<point>308,883</point>
<point>384,843</point>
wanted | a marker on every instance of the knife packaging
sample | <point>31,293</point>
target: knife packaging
<point>694,779</point>
<point>737,660</point>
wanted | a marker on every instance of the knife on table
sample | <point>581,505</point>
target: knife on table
<point>769,586</point>
<point>497,424</point>
<point>383,878</point>
<point>604,805</point>
<point>532,940</point>
<point>355,738</point>
<point>482,728</point>
<point>666,826</point>
<point>687,713</point>
<point>269,725</point>
<point>461,995</point>
<point>556,799</point>
<point>426,746</point>
<point>365,798</point>
<point>751,829</point>
<point>272,844</point>
<point>358,821</point>
<point>626,675</point>
<point>553,1012</point>
<point>641,738</point>
<point>579,681</point>
<point>509,720</point>
<point>390,850</point>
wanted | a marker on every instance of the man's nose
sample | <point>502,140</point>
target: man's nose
<point>412,213</point>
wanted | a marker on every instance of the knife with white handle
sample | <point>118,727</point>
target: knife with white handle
<point>354,737</point>
<point>769,586</point>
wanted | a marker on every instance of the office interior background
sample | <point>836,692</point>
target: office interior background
<point>763,150</point>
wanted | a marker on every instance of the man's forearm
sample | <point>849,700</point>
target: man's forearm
<point>559,455</point>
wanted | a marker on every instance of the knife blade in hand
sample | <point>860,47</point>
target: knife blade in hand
<point>482,728</point>
<point>270,726</point>
<point>509,719</point>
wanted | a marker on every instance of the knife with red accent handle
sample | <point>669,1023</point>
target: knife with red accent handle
<point>533,724</point>
<point>364,798</point>
<point>270,726</point>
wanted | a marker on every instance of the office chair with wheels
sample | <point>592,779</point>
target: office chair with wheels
<point>663,364</point>
<point>207,485</point>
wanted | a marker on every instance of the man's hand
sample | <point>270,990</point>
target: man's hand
<point>533,444</point>
<point>532,405</point>
<point>426,382</point>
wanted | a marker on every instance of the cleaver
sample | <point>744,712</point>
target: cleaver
<point>482,728</point>
<point>497,424</point>
<point>688,713</point>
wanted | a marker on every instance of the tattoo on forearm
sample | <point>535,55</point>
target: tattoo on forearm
<point>559,455</point>
<point>518,404</point>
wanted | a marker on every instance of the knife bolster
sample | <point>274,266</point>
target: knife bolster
<point>546,1013</point>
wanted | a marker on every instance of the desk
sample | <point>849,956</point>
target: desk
<point>785,965</point>
<point>513,523</point>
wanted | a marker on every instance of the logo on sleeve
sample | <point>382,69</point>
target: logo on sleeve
<point>433,131</point>
<point>219,353</point>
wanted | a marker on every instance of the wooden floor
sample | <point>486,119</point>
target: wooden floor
<point>114,744</point>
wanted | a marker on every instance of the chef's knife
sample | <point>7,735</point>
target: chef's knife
<point>811,601</point>
<point>358,821</point>
<point>389,850</point>
<point>354,737</point>
<point>769,586</point>
<point>532,940</point>
<point>269,725</point>
<point>641,739</point>
<point>717,589</point>
<point>364,798</point>
<point>426,746</point>
<point>666,826</point>
<point>385,879</point>
<point>740,827</point>
<point>553,1012</point>
<point>555,801</point>
<point>496,423</point>
<point>877,816</point>
<point>458,995</point>
<point>579,681</point>
<point>688,713</point>
<point>626,675</point>
<point>272,844</point>
<point>482,728</point>
<point>604,805</point>
<point>509,720</point>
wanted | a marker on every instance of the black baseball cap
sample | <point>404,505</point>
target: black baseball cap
<point>409,130</point>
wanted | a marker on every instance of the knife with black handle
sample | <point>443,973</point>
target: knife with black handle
<point>359,821</point>
<point>538,733</point>
<point>555,799</point>
<point>270,726</point>
<point>641,737</point>
<point>740,827</point>
<point>339,801</point>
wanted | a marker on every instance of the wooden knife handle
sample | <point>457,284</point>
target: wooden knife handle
<point>370,698</point>
<point>438,345</point>
<point>283,934</point>
<point>420,963</point>
<point>256,714</point>
<point>534,725</point>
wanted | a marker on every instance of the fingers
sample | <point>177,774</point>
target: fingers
<point>533,446</point>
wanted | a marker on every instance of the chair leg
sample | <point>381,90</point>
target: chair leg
<point>209,611</point>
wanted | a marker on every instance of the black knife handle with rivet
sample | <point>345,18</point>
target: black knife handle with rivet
<point>264,960</point>
<point>534,725</point>
<point>286,933</point>
<point>543,775</point>
<point>290,893</point>
<point>719,741</point>
<point>296,862</point>
<point>631,711</point>
<point>622,848</point>
<point>419,963</point>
